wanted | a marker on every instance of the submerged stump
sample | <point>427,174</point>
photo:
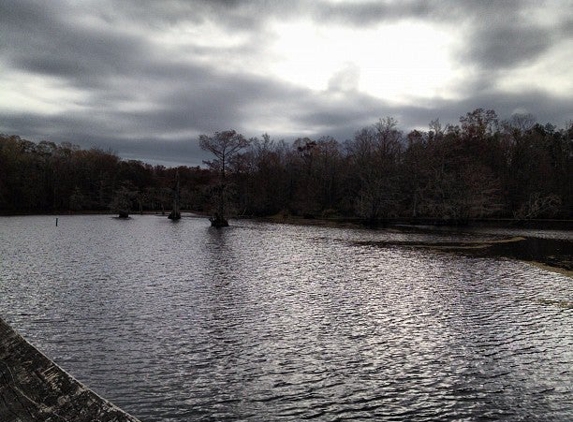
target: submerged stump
<point>174,215</point>
<point>218,221</point>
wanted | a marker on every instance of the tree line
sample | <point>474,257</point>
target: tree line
<point>481,167</point>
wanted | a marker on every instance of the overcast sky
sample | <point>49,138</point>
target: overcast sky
<point>146,78</point>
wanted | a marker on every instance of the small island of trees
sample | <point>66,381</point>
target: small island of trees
<point>480,168</point>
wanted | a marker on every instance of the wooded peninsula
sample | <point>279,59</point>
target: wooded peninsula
<point>480,168</point>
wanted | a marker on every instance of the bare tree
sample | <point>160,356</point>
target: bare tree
<point>225,146</point>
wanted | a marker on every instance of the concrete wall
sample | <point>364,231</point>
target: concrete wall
<point>33,388</point>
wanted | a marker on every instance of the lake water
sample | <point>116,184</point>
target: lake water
<point>263,322</point>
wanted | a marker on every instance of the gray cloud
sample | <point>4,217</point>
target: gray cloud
<point>497,34</point>
<point>345,80</point>
<point>148,99</point>
<point>509,46</point>
<point>368,13</point>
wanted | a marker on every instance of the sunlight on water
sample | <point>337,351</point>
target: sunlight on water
<point>182,322</point>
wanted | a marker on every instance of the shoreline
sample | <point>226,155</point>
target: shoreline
<point>541,224</point>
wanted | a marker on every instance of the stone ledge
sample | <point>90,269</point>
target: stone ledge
<point>33,388</point>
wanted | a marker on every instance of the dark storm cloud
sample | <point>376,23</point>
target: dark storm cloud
<point>56,44</point>
<point>509,45</point>
<point>149,99</point>
<point>239,15</point>
<point>507,35</point>
<point>544,108</point>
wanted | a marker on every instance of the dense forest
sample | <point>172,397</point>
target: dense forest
<point>479,168</point>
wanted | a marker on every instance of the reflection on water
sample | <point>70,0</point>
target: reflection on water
<point>182,322</point>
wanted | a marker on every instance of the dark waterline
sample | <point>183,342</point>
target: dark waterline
<point>182,322</point>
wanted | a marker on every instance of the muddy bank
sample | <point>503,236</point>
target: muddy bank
<point>551,254</point>
<point>541,224</point>
<point>33,388</point>
<point>554,252</point>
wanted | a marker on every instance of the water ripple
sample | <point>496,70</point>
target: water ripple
<point>180,322</point>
